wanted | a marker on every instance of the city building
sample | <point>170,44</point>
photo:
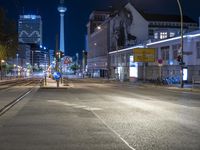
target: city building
<point>125,28</point>
<point>30,35</point>
<point>51,56</point>
<point>39,57</point>
<point>166,50</point>
<point>24,52</point>
<point>30,29</point>
<point>98,43</point>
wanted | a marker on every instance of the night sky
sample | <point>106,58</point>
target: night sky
<point>78,12</point>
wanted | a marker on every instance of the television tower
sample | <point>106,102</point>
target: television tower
<point>62,9</point>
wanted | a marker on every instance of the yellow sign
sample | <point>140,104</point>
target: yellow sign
<point>144,54</point>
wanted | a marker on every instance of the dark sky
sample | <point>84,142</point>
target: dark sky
<point>78,12</point>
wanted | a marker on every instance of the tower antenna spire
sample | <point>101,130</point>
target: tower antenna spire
<point>62,9</point>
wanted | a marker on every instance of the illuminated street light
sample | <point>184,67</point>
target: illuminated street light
<point>2,61</point>
<point>14,68</point>
<point>32,61</point>
<point>99,27</point>
<point>17,55</point>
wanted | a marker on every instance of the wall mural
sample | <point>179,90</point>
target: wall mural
<point>121,30</point>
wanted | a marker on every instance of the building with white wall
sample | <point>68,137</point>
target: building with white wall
<point>98,43</point>
<point>166,50</point>
<point>125,28</point>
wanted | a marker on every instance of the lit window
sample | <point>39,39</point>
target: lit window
<point>155,35</point>
<point>172,34</point>
<point>163,35</point>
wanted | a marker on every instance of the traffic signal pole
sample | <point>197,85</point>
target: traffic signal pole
<point>57,81</point>
<point>181,52</point>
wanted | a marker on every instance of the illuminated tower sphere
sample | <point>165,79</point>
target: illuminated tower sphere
<point>62,9</point>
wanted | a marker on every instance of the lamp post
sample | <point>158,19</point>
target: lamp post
<point>32,62</point>
<point>14,69</point>
<point>45,75</point>
<point>181,50</point>
<point>2,61</point>
<point>17,63</point>
<point>117,55</point>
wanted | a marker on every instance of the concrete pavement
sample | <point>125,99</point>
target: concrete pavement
<point>187,87</point>
<point>105,116</point>
<point>53,84</point>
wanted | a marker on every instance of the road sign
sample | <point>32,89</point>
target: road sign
<point>57,75</point>
<point>160,62</point>
<point>67,60</point>
<point>144,54</point>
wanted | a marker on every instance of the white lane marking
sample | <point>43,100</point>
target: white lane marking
<point>73,105</point>
<point>111,129</point>
<point>92,110</point>
<point>80,107</point>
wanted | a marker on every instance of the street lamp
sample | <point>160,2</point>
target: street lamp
<point>17,63</point>
<point>45,75</point>
<point>117,55</point>
<point>99,27</point>
<point>14,69</point>
<point>181,50</point>
<point>2,61</point>
<point>32,61</point>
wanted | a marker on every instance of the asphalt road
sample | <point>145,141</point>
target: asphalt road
<point>96,115</point>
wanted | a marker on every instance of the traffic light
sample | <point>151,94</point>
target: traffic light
<point>62,54</point>
<point>58,55</point>
<point>179,58</point>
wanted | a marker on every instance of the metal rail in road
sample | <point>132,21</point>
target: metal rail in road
<point>14,102</point>
<point>11,84</point>
<point>18,99</point>
<point>16,83</point>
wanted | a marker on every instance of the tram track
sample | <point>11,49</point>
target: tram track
<point>14,102</point>
<point>24,82</point>
<point>11,103</point>
<point>11,84</point>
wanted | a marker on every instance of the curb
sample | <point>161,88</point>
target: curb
<point>171,88</point>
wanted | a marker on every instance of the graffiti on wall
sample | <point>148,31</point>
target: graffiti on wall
<point>121,30</point>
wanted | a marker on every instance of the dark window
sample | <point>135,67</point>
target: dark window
<point>175,49</point>
<point>151,32</point>
<point>165,53</point>
<point>198,49</point>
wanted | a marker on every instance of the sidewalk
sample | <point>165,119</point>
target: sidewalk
<point>187,87</point>
<point>51,84</point>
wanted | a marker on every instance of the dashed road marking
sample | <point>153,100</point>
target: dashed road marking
<point>92,109</point>
<point>111,129</point>
<point>74,105</point>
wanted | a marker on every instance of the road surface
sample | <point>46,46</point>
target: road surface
<point>101,115</point>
